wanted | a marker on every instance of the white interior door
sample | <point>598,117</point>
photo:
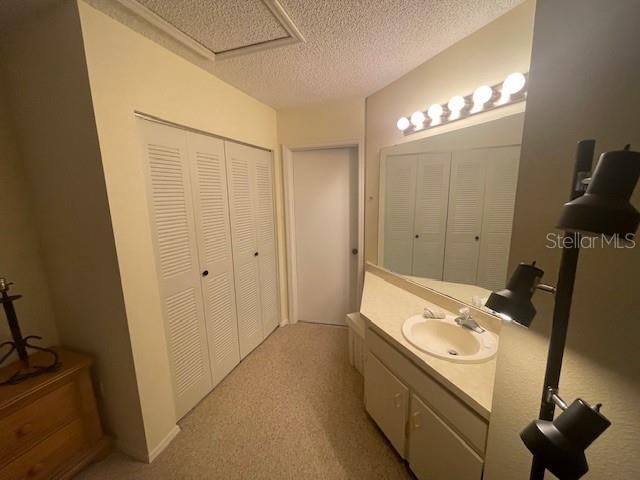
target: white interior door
<point>241,170</point>
<point>464,223</point>
<point>325,222</point>
<point>174,239</point>
<point>430,225</point>
<point>209,181</point>
<point>399,208</point>
<point>497,222</point>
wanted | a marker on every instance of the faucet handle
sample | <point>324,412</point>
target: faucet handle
<point>465,313</point>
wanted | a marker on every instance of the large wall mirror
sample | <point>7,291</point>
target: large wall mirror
<point>446,208</point>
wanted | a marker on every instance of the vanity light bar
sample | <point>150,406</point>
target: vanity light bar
<point>512,90</point>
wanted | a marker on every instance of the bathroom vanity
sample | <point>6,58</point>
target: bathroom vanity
<point>435,411</point>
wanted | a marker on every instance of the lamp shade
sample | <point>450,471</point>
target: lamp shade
<point>605,208</point>
<point>514,302</point>
<point>560,444</point>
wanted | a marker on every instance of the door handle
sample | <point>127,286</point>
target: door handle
<point>255,254</point>
<point>416,419</point>
<point>205,273</point>
<point>477,237</point>
<point>417,236</point>
<point>354,251</point>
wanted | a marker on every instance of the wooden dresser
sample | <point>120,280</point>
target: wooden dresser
<point>49,425</point>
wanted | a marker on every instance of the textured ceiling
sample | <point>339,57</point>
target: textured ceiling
<point>353,47</point>
<point>220,25</point>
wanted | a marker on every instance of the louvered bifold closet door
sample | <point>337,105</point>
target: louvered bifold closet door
<point>432,199</point>
<point>399,208</point>
<point>209,181</point>
<point>497,222</point>
<point>240,172</point>
<point>266,236</point>
<point>464,222</point>
<point>174,238</point>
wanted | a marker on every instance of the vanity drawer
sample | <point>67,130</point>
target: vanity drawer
<point>27,426</point>
<point>463,420</point>
<point>45,459</point>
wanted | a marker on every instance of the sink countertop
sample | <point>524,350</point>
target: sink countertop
<point>387,306</point>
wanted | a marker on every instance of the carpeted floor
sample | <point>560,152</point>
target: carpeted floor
<point>291,410</point>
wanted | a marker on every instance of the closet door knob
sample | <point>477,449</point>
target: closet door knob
<point>255,254</point>
<point>205,273</point>
<point>354,251</point>
<point>477,237</point>
<point>417,236</point>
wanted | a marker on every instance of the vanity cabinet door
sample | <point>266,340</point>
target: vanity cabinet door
<point>387,401</point>
<point>435,451</point>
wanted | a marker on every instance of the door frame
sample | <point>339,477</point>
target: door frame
<point>289,217</point>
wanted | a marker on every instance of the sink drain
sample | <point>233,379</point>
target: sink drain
<point>452,352</point>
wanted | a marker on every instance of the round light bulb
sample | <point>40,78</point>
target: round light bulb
<point>403,123</point>
<point>482,95</point>
<point>435,111</point>
<point>417,119</point>
<point>456,103</point>
<point>513,83</point>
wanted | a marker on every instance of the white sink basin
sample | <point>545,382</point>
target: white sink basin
<point>443,338</point>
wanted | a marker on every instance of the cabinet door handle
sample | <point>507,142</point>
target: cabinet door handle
<point>255,254</point>
<point>397,400</point>
<point>416,419</point>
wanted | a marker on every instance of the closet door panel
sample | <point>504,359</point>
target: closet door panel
<point>173,228</point>
<point>464,223</point>
<point>209,182</point>
<point>399,206</point>
<point>266,235</point>
<point>497,222</point>
<point>430,225</point>
<point>240,161</point>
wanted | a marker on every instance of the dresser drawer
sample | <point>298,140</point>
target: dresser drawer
<point>43,461</point>
<point>22,429</point>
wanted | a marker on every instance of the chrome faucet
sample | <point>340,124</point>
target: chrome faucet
<point>465,321</point>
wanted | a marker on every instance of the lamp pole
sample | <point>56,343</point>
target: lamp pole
<point>562,301</point>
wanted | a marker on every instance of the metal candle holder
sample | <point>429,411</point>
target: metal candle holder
<point>20,344</point>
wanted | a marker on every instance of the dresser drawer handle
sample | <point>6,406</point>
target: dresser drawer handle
<point>416,420</point>
<point>24,430</point>
<point>397,400</point>
<point>36,469</point>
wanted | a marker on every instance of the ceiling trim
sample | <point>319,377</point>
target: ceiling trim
<point>275,7</point>
<point>160,23</point>
<point>281,15</point>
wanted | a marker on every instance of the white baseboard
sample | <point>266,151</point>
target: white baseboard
<point>158,449</point>
<point>132,452</point>
<point>145,456</point>
<point>284,322</point>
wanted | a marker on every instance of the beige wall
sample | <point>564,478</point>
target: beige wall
<point>51,102</point>
<point>485,57</point>
<point>20,256</point>
<point>322,123</point>
<point>128,72</point>
<point>584,84</point>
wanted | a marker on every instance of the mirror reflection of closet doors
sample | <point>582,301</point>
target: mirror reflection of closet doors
<point>448,216</point>
<point>416,200</point>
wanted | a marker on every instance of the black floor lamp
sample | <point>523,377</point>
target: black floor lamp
<point>604,209</point>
